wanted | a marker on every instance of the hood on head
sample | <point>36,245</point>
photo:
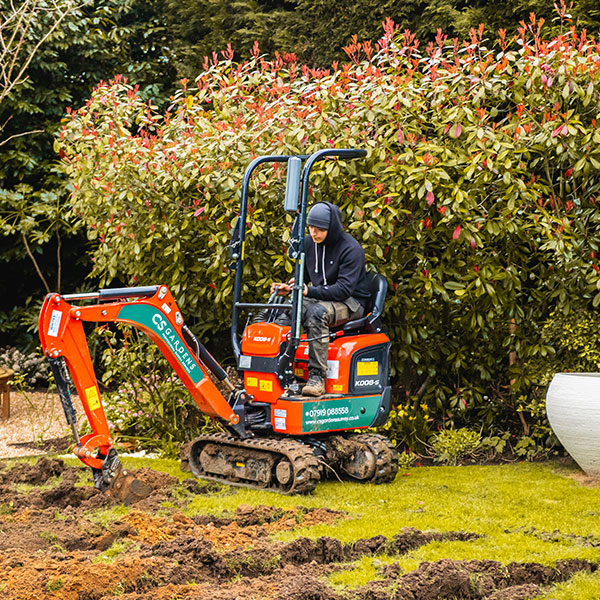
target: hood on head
<point>335,225</point>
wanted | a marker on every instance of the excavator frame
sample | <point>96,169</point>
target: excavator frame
<point>277,439</point>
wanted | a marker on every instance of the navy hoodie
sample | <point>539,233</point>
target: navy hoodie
<point>336,267</point>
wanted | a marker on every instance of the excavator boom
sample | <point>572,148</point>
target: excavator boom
<point>152,310</point>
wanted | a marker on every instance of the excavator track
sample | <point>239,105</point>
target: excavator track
<point>362,457</point>
<point>386,456</point>
<point>286,466</point>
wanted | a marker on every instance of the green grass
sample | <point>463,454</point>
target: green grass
<point>583,586</point>
<point>514,507</point>
<point>51,482</point>
<point>105,517</point>
<point>366,569</point>
<point>115,551</point>
<point>525,512</point>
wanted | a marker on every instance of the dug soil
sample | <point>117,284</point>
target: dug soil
<point>62,539</point>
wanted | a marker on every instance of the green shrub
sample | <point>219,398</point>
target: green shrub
<point>573,343</point>
<point>406,459</point>
<point>31,369</point>
<point>408,425</point>
<point>477,200</point>
<point>452,445</point>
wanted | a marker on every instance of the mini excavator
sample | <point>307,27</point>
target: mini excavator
<point>276,438</point>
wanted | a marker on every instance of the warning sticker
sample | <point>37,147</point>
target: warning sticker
<point>266,386</point>
<point>367,368</point>
<point>279,423</point>
<point>92,397</point>
<point>54,323</point>
<point>251,381</point>
<point>333,369</point>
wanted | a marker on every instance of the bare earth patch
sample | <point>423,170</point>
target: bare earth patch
<point>53,546</point>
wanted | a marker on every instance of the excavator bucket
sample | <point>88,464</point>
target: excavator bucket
<point>117,482</point>
<point>127,488</point>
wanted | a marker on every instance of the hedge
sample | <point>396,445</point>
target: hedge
<point>477,199</point>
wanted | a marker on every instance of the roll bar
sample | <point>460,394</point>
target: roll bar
<point>239,235</point>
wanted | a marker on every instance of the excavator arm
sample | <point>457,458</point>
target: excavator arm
<point>152,310</point>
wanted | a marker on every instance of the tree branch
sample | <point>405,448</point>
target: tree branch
<point>35,263</point>
<point>16,135</point>
<point>13,47</point>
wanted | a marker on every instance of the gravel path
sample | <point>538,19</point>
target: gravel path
<point>36,422</point>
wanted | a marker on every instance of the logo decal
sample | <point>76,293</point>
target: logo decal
<point>153,319</point>
<point>324,415</point>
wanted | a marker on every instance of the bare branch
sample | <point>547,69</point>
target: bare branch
<point>16,25</point>
<point>16,135</point>
<point>35,262</point>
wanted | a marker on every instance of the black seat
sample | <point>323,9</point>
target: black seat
<point>371,322</point>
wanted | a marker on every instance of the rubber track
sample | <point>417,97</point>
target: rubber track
<point>301,457</point>
<point>386,456</point>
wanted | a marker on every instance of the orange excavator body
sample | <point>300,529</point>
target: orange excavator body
<point>279,439</point>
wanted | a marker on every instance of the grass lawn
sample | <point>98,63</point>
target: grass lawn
<point>526,512</point>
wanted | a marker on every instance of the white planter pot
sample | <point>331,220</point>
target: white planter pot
<point>573,408</point>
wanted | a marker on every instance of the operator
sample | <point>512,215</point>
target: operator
<point>335,267</point>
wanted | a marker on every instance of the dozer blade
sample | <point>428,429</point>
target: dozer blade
<point>118,483</point>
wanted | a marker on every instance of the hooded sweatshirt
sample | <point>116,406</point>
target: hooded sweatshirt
<point>336,267</point>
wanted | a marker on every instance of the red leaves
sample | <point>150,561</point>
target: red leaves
<point>430,198</point>
<point>456,233</point>
<point>454,129</point>
<point>561,130</point>
<point>228,53</point>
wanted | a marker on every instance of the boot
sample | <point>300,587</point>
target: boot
<point>315,386</point>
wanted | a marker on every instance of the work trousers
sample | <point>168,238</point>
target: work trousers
<point>318,316</point>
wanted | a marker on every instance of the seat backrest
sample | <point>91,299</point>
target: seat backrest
<point>378,286</point>
<point>370,323</point>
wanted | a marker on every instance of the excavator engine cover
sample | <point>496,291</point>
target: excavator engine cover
<point>260,347</point>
